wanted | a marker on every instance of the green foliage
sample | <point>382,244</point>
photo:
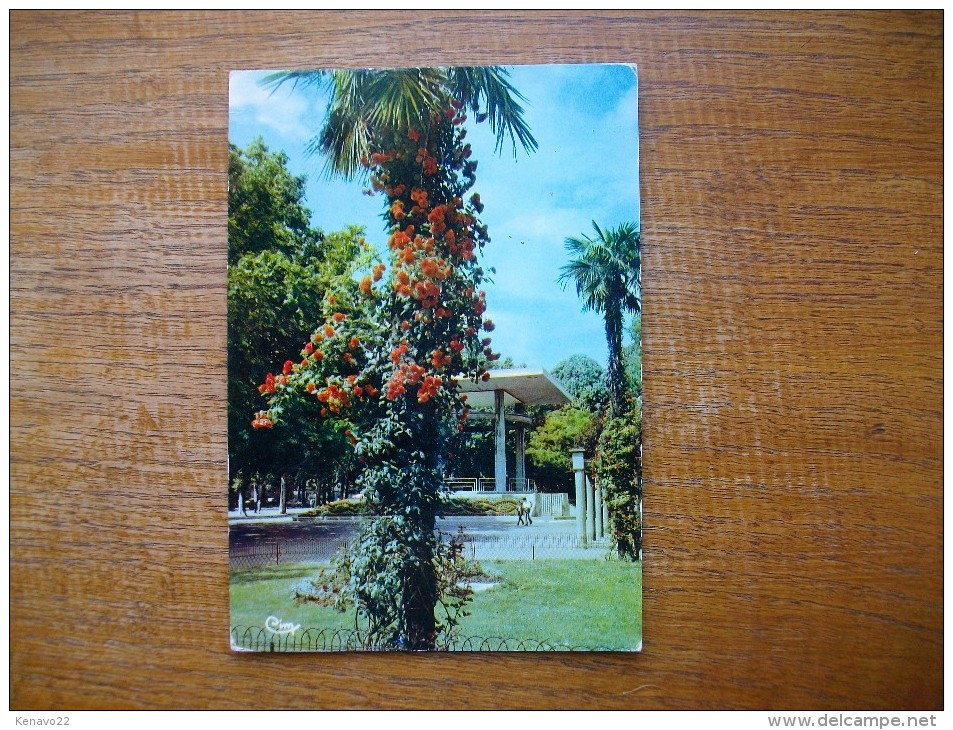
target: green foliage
<point>458,506</point>
<point>584,379</point>
<point>618,469</point>
<point>265,204</point>
<point>549,445</point>
<point>339,508</point>
<point>281,275</point>
<point>452,507</point>
<point>633,357</point>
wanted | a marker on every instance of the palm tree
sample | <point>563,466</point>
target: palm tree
<point>607,274</point>
<point>369,105</point>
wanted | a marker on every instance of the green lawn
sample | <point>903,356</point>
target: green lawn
<point>595,604</point>
<point>570,602</point>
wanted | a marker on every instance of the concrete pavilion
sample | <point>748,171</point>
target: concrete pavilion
<point>489,399</point>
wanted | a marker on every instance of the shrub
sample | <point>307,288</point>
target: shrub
<point>459,507</point>
<point>618,468</point>
<point>453,507</point>
<point>340,508</point>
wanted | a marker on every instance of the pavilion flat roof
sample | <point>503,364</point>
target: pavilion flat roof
<point>520,385</point>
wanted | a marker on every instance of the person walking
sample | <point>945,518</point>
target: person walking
<point>527,512</point>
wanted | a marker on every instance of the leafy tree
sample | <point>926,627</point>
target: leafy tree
<point>508,363</point>
<point>281,274</point>
<point>606,271</point>
<point>550,443</point>
<point>584,380</point>
<point>390,368</point>
<point>265,204</point>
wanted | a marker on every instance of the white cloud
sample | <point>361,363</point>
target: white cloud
<point>284,111</point>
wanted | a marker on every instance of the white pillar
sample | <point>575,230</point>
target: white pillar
<point>520,470</point>
<point>605,514</point>
<point>500,461</point>
<point>597,509</point>
<point>590,510</point>
<point>578,467</point>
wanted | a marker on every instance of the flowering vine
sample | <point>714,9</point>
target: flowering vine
<point>390,368</point>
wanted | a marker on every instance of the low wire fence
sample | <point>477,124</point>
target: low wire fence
<point>262,553</point>
<point>259,638</point>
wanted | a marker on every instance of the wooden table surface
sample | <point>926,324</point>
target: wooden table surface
<point>792,232</point>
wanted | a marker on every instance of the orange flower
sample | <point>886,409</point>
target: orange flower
<point>328,331</point>
<point>353,343</point>
<point>419,196</point>
<point>339,317</point>
<point>429,267</point>
<point>366,285</point>
<point>378,271</point>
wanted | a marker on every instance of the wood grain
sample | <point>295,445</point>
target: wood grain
<point>792,229</point>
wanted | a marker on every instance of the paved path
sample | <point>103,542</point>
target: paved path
<point>266,539</point>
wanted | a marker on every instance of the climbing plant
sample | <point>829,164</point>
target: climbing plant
<point>390,369</point>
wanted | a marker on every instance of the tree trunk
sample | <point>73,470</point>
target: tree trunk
<point>420,598</point>
<point>615,372</point>
<point>283,495</point>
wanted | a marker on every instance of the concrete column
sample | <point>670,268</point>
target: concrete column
<point>590,510</point>
<point>520,456</point>
<point>578,467</point>
<point>605,514</point>
<point>597,509</point>
<point>500,462</point>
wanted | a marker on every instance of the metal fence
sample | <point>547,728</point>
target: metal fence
<point>487,485</point>
<point>284,552</point>
<point>258,638</point>
<point>478,547</point>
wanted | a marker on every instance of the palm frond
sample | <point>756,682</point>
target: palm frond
<point>606,269</point>
<point>403,98</point>
<point>316,77</point>
<point>488,85</point>
<point>368,105</point>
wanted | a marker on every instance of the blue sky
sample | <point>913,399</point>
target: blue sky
<point>585,119</point>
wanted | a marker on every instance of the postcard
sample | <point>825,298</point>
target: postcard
<point>434,359</point>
